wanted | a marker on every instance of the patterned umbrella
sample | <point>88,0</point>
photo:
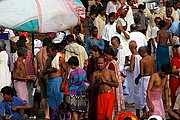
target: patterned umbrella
<point>41,16</point>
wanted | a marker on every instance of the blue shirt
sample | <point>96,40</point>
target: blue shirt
<point>6,107</point>
<point>90,42</point>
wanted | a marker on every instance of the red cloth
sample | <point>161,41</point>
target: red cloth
<point>174,83</point>
<point>105,105</point>
<point>123,115</point>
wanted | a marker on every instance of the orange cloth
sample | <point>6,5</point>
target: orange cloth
<point>123,115</point>
<point>105,105</point>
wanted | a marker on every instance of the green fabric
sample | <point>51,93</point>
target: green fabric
<point>30,26</point>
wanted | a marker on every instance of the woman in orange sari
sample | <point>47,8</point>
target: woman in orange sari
<point>110,54</point>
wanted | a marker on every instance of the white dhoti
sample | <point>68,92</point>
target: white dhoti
<point>137,90</point>
<point>130,83</point>
<point>144,84</point>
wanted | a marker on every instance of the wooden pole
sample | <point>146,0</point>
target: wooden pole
<point>33,44</point>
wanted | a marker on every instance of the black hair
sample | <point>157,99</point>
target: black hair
<point>116,38</point>
<point>166,68</point>
<point>127,118</point>
<point>133,27</point>
<point>78,28</point>
<point>101,9</point>
<point>20,43</point>
<point>70,38</point>
<point>142,50</point>
<point>23,38</point>
<point>46,41</point>
<point>92,13</point>
<point>111,51</point>
<point>102,57</point>
<point>93,28</point>
<point>157,18</point>
<point>152,119</point>
<point>73,61</point>
<point>7,90</point>
<point>176,46</point>
<point>52,47</point>
<point>21,51</point>
<point>95,48</point>
<point>141,6</point>
<point>112,14</point>
<point>162,24</point>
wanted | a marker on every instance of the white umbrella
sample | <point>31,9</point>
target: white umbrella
<point>41,16</point>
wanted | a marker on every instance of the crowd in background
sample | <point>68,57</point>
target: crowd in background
<point>125,52</point>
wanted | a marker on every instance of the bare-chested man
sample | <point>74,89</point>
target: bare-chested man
<point>147,68</point>
<point>135,68</point>
<point>41,58</point>
<point>20,75</point>
<point>158,83</point>
<point>105,80</point>
<point>163,37</point>
<point>56,69</point>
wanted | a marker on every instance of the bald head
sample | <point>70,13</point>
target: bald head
<point>142,50</point>
<point>133,46</point>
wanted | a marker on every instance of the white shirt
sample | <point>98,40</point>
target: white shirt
<point>129,18</point>
<point>37,45</point>
<point>139,37</point>
<point>111,8</point>
<point>175,14</point>
<point>100,24</point>
<point>154,35</point>
<point>109,31</point>
<point>120,58</point>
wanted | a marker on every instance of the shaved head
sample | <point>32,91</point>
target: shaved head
<point>133,44</point>
<point>142,50</point>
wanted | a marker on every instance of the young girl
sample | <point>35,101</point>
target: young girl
<point>76,90</point>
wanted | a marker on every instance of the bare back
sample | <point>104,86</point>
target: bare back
<point>163,37</point>
<point>42,58</point>
<point>147,65</point>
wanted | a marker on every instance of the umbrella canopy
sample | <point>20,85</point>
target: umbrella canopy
<point>41,16</point>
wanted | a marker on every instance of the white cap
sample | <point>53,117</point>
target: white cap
<point>155,116</point>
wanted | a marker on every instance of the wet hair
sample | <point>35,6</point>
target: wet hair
<point>116,38</point>
<point>157,18</point>
<point>166,68</point>
<point>70,38</point>
<point>21,51</point>
<point>96,48</point>
<point>7,90</point>
<point>73,61</point>
<point>133,27</point>
<point>46,41</point>
<point>52,47</point>
<point>142,50</point>
<point>20,43</point>
<point>111,51</point>
<point>162,24</point>
<point>2,44</point>
<point>112,14</point>
<point>141,6</point>
<point>92,13</point>
<point>23,38</point>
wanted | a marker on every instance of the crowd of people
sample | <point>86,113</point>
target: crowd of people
<point>125,52</point>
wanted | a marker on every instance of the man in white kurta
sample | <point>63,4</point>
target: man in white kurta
<point>5,74</point>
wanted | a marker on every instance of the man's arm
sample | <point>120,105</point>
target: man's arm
<point>150,85</point>
<point>113,82</point>
<point>167,93</point>
<point>26,106</point>
<point>132,63</point>
<point>141,72</point>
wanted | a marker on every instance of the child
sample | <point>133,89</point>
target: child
<point>76,97</point>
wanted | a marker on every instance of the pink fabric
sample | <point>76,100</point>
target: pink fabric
<point>156,98</point>
<point>29,63</point>
<point>21,90</point>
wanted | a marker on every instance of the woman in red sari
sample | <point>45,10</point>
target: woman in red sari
<point>175,79</point>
